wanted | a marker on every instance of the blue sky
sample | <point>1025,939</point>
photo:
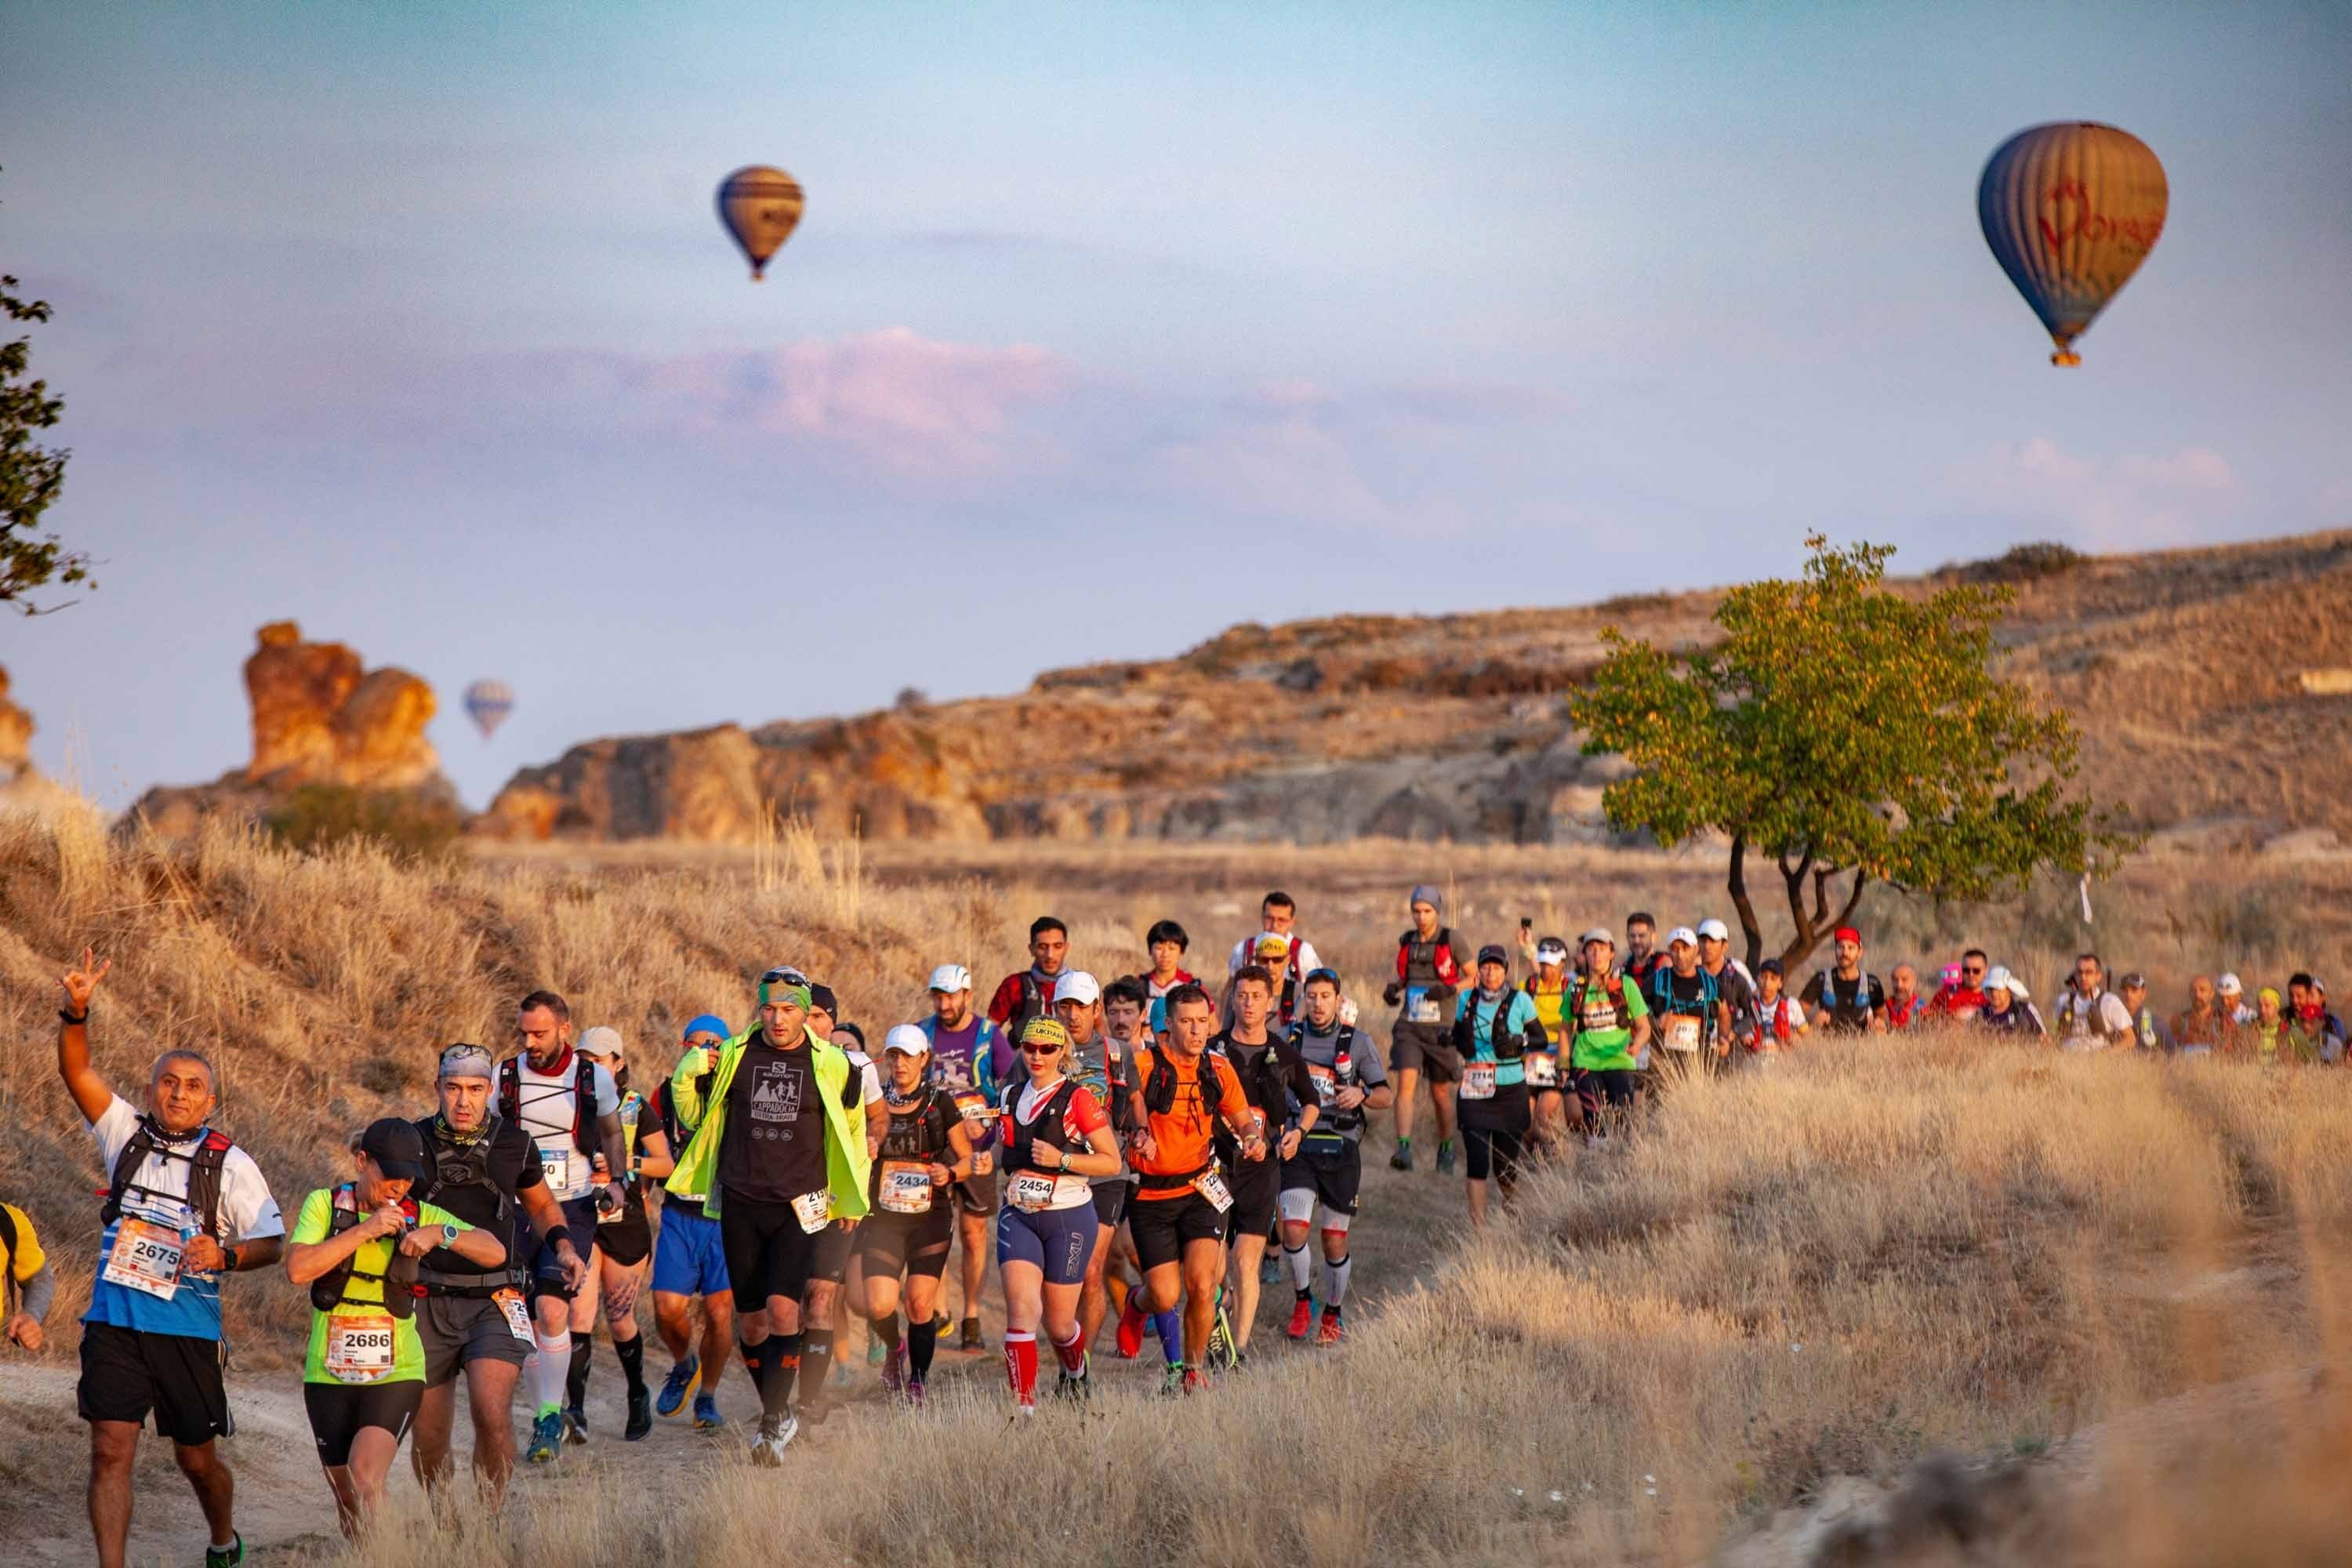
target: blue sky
<point>1105,327</point>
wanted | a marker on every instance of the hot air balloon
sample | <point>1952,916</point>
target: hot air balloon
<point>487,703</point>
<point>2070,210</point>
<point>761,207</point>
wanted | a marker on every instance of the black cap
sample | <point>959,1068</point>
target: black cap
<point>1493,953</point>
<point>822,998</point>
<point>852,1031</point>
<point>397,1149</point>
<point>1773,964</point>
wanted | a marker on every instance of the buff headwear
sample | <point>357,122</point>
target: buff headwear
<point>2268,993</point>
<point>464,1061</point>
<point>1045,1031</point>
<point>783,984</point>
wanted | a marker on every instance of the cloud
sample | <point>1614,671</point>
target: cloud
<point>2128,502</point>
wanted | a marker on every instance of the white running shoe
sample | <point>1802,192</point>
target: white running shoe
<point>775,1432</point>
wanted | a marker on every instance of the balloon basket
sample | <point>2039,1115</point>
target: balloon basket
<point>2065,356</point>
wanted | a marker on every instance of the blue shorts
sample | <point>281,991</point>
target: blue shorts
<point>1058,1241</point>
<point>688,1259</point>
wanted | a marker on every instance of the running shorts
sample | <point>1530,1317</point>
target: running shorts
<point>339,1412</point>
<point>1495,1155</point>
<point>769,1255</point>
<point>890,1245</point>
<point>1331,1180</point>
<point>1058,1241</point>
<point>1110,1201</point>
<point>1257,1192</point>
<point>978,1193</point>
<point>689,1258</point>
<point>126,1373</point>
<point>628,1240</point>
<point>546,1267</point>
<point>1164,1226</point>
<point>457,1330</point>
<point>1427,1049</point>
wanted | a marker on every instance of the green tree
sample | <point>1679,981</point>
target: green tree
<point>1850,734</point>
<point>31,475</point>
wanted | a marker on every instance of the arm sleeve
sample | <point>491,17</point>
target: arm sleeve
<point>39,1291</point>
<point>685,1101</point>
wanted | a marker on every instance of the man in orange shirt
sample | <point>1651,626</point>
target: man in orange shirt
<point>1179,1214</point>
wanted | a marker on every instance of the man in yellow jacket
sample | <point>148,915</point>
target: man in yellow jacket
<point>778,1157</point>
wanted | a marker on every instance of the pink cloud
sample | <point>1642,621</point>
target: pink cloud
<point>2133,500</point>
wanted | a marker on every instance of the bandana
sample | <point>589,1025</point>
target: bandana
<point>774,991</point>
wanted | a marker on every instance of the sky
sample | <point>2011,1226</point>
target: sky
<point>1105,327</point>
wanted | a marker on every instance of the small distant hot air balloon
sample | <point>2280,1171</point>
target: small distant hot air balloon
<point>2070,210</point>
<point>761,207</point>
<point>487,703</point>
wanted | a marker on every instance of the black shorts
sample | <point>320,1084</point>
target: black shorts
<point>125,1373</point>
<point>546,1267</point>
<point>1495,1155</point>
<point>977,1195</point>
<point>1110,1201</point>
<point>1256,1187</point>
<point>769,1255</point>
<point>1505,1111</point>
<point>1335,1178</point>
<point>1162,1226</point>
<point>1427,1049</point>
<point>338,1412</point>
<point>890,1244</point>
<point>628,1240</point>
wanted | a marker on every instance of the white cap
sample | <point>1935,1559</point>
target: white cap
<point>950,978</point>
<point>603,1040</point>
<point>1077,985</point>
<point>1683,934</point>
<point>2001,979</point>
<point>908,1039</point>
<point>1713,929</point>
<point>1552,950</point>
<point>1598,934</point>
<point>2228,985</point>
<point>1270,944</point>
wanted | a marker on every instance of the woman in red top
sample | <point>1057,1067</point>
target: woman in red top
<point>1054,1136</point>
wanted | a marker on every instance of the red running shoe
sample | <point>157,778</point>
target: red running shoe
<point>1131,1331</point>
<point>1331,1332</point>
<point>1302,1319</point>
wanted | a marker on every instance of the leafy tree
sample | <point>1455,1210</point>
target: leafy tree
<point>31,475</point>
<point>1846,731</point>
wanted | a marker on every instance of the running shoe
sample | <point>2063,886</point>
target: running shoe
<point>575,1424</point>
<point>972,1334</point>
<point>1302,1318</point>
<point>1402,1159</point>
<point>1445,1156</point>
<point>1024,1411</point>
<point>546,1439</point>
<point>768,1446</point>
<point>1196,1381</point>
<point>706,1414</point>
<point>1330,1332</point>
<point>914,1392</point>
<point>1269,1268</point>
<point>842,1376</point>
<point>1073,1385</point>
<point>1221,1338</point>
<point>684,1378</point>
<point>894,1369</point>
<point>641,1414</point>
<point>227,1556</point>
<point>1172,1380</point>
<point>1130,1328</point>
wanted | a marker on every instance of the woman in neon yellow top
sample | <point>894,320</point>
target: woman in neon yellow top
<point>356,1247</point>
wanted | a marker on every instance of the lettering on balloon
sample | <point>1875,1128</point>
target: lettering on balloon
<point>2067,217</point>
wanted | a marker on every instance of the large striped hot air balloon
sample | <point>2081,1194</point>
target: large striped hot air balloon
<point>761,207</point>
<point>487,703</point>
<point>2070,210</point>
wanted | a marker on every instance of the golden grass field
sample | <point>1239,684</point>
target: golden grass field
<point>2115,1289</point>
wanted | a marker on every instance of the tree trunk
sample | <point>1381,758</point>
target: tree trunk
<point>1750,927</point>
<point>1814,926</point>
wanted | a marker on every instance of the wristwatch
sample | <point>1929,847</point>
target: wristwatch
<point>448,1234</point>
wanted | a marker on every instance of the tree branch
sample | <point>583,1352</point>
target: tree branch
<point>1821,893</point>
<point>1749,926</point>
<point>1854,899</point>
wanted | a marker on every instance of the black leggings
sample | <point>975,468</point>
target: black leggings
<point>1495,1155</point>
<point>1593,1086</point>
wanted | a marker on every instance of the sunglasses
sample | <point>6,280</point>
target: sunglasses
<point>1972,972</point>
<point>787,976</point>
<point>1041,1050</point>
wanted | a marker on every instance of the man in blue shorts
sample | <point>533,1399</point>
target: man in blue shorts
<point>690,1262</point>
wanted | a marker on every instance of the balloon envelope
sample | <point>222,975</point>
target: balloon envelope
<point>488,702</point>
<point>761,207</point>
<point>2070,210</point>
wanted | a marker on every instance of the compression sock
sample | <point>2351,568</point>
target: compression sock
<point>1021,1365</point>
<point>755,1362</point>
<point>554,1370</point>
<point>922,1339</point>
<point>575,1374</point>
<point>781,1352</point>
<point>816,1360</point>
<point>1170,1326</point>
<point>887,1330</point>
<point>1073,1355</point>
<point>630,1354</point>
<point>1335,1283</point>
<point>1298,1258</point>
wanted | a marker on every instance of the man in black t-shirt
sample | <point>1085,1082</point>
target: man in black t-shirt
<point>1276,1082</point>
<point>1843,999</point>
<point>487,1172</point>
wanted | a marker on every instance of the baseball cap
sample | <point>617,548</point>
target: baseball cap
<point>1077,985</point>
<point>466,1060</point>
<point>1598,934</point>
<point>603,1040</point>
<point>821,999</point>
<point>908,1039</point>
<point>2135,981</point>
<point>1713,929</point>
<point>1327,975</point>
<point>1493,953</point>
<point>1552,950</point>
<point>1770,966</point>
<point>950,978</point>
<point>396,1147</point>
<point>1271,944</point>
<point>1683,934</point>
<point>1845,933</point>
<point>2229,986</point>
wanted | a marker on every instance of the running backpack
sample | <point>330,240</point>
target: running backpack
<point>465,1164</point>
<point>1572,1016</point>
<point>204,1172</point>
<point>1662,996</point>
<point>397,1283</point>
<point>1441,957</point>
<point>583,1098</point>
<point>1508,1046</point>
<point>1019,1137</point>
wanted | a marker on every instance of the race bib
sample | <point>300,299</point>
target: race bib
<point>905,1186</point>
<point>517,1312</point>
<point>1543,1070</point>
<point>359,1347</point>
<point>1598,1016</point>
<point>1681,1033</point>
<point>2196,1050</point>
<point>984,1161</point>
<point>145,1257</point>
<point>559,1164</point>
<point>972,1106</point>
<point>1420,1006</point>
<point>813,1210</point>
<point>1032,1191</point>
<point>1210,1185</point>
<point>1327,1084</point>
<point>1477,1081</point>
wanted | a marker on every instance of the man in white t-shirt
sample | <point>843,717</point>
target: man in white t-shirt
<point>183,1207</point>
<point>2090,1016</point>
<point>1277,916</point>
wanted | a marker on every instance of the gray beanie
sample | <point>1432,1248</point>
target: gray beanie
<point>1425,894</point>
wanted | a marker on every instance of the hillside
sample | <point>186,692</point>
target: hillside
<point>2186,670</point>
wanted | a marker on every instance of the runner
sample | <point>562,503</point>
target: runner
<point>1496,1030</point>
<point>2090,1016</point>
<point>357,1247</point>
<point>566,1105</point>
<point>1166,943</point>
<point>1842,999</point>
<point>625,1246</point>
<point>1104,1068</point>
<point>1547,990</point>
<point>1642,957</point>
<point>486,1171</point>
<point>1277,915</point>
<point>1904,1006</point>
<point>1431,965</point>
<point>1178,1214</point>
<point>826,1023</point>
<point>1611,1032</point>
<point>1057,1136</point>
<point>1125,1007</point>
<point>911,1213</point>
<point>183,1207</point>
<point>1281,1095</point>
<point>1691,1017</point>
<point>1732,980</point>
<point>2150,1032</point>
<point>1029,992</point>
<point>1321,1182</point>
<point>782,1152</point>
<point>1780,1017</point>
<point>2203,1027</point>
<point>965,1061</point>
<point>689,1261</point>
<point>1961,997</point>
<point>27,1284</point>
<point>2008,1008</point>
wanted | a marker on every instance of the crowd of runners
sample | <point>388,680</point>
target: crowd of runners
<point>1147,1153</point>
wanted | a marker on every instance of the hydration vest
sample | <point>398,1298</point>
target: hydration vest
<point>1439,953</point>
<point>1021,1137</point>
<point>205,1165</point>
<point>1344,1074</point>
<point>583,1098</point>
<point>1509,1044</point>
<point>449,1167</point>
<point>1572,1016</point>
<point>397,1284</point>
<point>1662,992</point>
<point>920,1132</point>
